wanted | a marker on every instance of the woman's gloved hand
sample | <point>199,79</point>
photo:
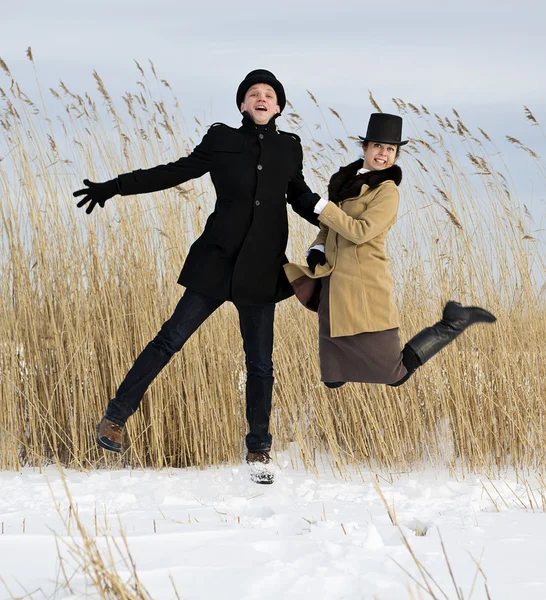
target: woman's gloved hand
<point>97,193</point>
<point>314,258</point>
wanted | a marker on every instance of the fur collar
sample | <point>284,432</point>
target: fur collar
<point>347,184</point>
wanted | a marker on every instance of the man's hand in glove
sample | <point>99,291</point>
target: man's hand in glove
<point>314,258</point>
<point>97,193</point>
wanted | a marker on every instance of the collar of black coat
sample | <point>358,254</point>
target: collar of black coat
<point>347,184</point>
<point>249,125</point>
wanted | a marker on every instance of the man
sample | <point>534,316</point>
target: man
<point>239,257</point>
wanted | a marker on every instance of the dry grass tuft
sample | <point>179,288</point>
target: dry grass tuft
<point>98,564</point>
<point>81,295</point>
<point>4,67</point>
<point>373,102</point>
<point>529,115</point>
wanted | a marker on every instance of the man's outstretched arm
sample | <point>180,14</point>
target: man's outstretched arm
<point>143,181</point>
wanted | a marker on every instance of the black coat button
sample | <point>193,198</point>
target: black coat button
<point>260,167</point>
<point>257,203</point>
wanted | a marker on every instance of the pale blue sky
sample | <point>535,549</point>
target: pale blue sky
<point>463,54</point>
<point>485,58</point>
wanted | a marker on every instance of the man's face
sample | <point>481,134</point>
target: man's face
<point>261,103</point>
<point>378,156</point>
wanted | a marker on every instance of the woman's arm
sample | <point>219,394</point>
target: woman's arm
<point>378,216</point>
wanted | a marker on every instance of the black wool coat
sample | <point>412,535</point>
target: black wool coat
<point>256,170</point>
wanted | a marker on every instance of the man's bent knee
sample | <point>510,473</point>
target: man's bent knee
<point>166,344</point>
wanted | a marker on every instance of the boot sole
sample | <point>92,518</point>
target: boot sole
<point>260,474</point>
<point>104,443</point>
<point>262,480</point>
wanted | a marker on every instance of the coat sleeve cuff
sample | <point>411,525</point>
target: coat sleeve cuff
<point>319,247</point>
<point>320,206</point>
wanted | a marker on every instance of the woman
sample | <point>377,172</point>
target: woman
<point>358,319</point>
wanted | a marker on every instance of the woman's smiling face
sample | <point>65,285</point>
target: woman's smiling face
<point>261,103</point>
<point>378,156</point>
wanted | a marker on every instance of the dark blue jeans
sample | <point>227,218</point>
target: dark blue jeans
<point>256,324</point>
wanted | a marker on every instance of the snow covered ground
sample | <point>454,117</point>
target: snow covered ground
<point>214,534</point>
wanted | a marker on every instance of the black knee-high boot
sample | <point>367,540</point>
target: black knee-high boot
<point>428,342</point>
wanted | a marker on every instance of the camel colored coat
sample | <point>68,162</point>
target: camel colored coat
<point>354,233</point>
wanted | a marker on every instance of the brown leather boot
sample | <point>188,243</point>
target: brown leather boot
<point>260,467</point>
<point>110,435</point>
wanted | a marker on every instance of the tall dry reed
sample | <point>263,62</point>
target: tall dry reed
<point>81,295</point>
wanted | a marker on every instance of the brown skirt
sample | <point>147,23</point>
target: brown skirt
<point>372,357</point>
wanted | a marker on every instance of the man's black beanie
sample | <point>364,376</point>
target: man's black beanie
<point>261,76</point>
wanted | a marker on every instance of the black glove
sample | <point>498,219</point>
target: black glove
<point>314,258</point>
<point>97,193</point>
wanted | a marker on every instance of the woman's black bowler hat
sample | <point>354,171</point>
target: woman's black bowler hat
<point>261,76</point>
<point>384,128</point>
